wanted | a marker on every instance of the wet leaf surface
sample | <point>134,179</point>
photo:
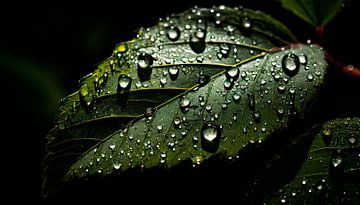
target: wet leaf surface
<point>197,84</point>
<point>330,173</point>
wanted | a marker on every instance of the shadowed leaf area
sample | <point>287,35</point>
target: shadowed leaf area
<point>330,171</point>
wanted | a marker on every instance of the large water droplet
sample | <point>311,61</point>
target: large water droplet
<point>197,41</point>
<point>290,64</point>
<point>210,137</point>
<point>173,33</point>
<point>144,66</point>
<point>173,73</point>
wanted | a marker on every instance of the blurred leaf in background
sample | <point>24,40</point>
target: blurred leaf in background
<point>315,12</point>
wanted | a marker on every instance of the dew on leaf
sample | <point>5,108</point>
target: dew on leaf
<point>210,137</point>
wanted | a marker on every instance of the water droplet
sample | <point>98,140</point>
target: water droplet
<point>326,135</point>
<point>159,128</point>
<point>197,41</point>
<point>246,23</point>
<point>281,88</point>
<point>303,59</point>
<point>280,112</point>
<point>204,79</point>
<point>117,165</point>
<point>232,74</point>
<point>236,97</point>
<point>177,122</point>
<point>336,161</point>
<point>148,112</point>
<point>251,101</point>
<point>208,108</point>
<point>290,64</point>
<point>224,106</point>
<point>144,70</point>
<point>162,81</point>
<point>228,84</point>
<point>210,137</point>
<point>173,33</point>
<point>184,103</point>
<point>173,72</point>
<point>224,50</point>
<point>124,84</point>
<point>256,116</point>
<point>112,146</point>
<point>352,140</point>
<point>310,77</point>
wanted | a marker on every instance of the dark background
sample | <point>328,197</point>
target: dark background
<point>45,48</point>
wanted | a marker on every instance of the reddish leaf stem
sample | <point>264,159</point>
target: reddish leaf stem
<point>348,70</point>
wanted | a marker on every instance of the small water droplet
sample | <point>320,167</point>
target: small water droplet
<point>224,50</point>
<point>290,64</point>
<point>280,112</point>
<point>246,23</point>
<point>310,77</point>
<point>281,88</point>
<point>256,116</point>
<point>112,146</point>
<point>224,106</point>
<point>117,165</point>
<point>159,128</point>
<point>162,81</point>
<point>173,33</point>
<point>210,137</point>
<point>197,41</point>
<point>336,161</point>
<point>236,97</point>
<point>228,84</point>
<point>303,59</point>
<point>184,103</point>
<point>124,84</point>
<point>352,140</point>
<point>203,80</point>
<point>177,122</point>
<point>208,108</point>
<point>173,72</point>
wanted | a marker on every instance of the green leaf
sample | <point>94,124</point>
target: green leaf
<point>315,12</point>
<point>177,55</point>
<point>330,174</point>
<point>100,108</point>
<point>214,119</point>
